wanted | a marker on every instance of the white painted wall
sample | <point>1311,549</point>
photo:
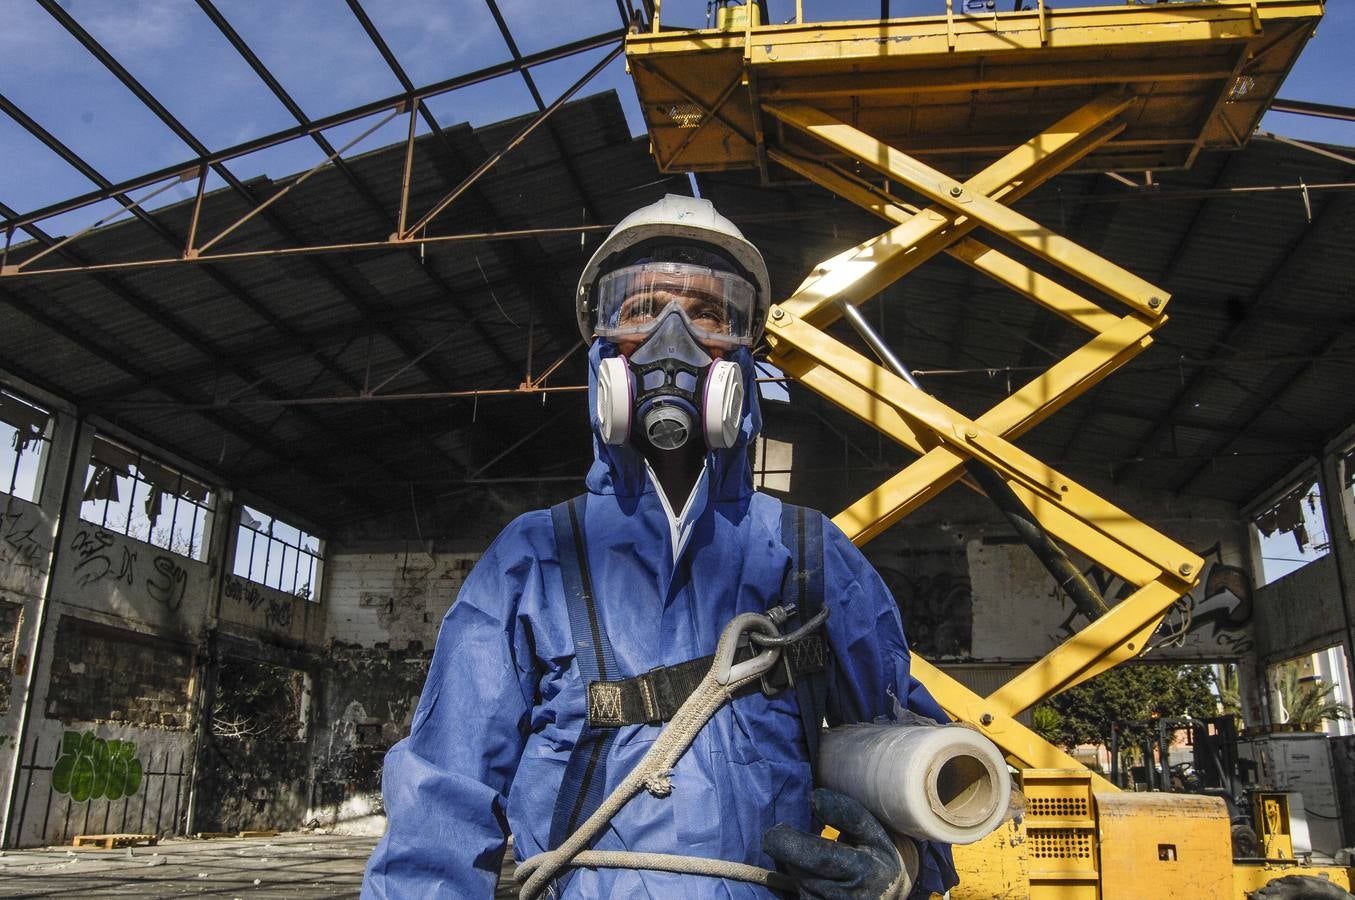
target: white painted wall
<point>393,598</point>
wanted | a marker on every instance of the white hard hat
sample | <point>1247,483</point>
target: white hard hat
<point>675,220</point>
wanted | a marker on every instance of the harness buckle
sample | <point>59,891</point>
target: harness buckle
<point>773,685</point>
<point>656,690</point>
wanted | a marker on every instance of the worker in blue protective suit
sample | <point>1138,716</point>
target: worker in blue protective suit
<point>670,543</point>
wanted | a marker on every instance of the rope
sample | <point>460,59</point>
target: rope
<point>686,865</point>
<point>652,774</point>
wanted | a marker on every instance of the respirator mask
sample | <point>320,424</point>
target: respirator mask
<point>671,387</point>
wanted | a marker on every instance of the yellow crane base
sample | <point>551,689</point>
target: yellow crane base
<point>1076,843</point>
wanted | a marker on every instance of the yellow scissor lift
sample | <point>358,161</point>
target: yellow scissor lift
<point>1133,87</point>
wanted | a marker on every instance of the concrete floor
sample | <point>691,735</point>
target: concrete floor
<point>290,865</point>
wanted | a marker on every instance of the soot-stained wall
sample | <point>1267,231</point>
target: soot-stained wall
<point>255,770</point>
<point>10,616</point>
<point>106,674</point>
<point>384,611</point>
<point>366,703</point>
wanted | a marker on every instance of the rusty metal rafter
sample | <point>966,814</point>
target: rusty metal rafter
<point>407,98</point>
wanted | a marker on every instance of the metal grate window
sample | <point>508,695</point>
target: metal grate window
<point>132,494</point>
<point>273,553</point>
<point>25,444</point>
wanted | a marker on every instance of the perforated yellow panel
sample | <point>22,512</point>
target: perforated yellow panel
<point>1060,832</point>
<point>1057,807</point>
<point>1057,844</point>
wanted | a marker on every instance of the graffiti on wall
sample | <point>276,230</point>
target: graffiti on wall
<point>277,611</point>
<point>98,557</point>
<point>1218,611</point>
<point>21,545</point>
<point>410,598</point>
<point>935,598</point>
<point>83,783</point>
<point>167,583</point>
<point>91,768</point>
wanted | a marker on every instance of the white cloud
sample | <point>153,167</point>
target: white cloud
<point>128,28</point>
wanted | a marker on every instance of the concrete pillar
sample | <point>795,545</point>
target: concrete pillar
<point>1336,507</point>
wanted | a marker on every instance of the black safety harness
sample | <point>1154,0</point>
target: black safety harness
<point>654,696</point>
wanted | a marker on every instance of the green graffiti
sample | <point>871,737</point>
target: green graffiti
<point>91,768</point>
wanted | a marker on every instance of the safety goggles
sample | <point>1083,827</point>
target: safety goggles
<point>718,305</point>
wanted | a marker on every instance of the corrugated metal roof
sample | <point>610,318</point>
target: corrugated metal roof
<point>331,325</point>
<point>1206,410</point>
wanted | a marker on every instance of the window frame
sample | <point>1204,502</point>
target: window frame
<point>42,437</point>
<point>298,550</point>
<point>149,475</point>
<point>1306,487</point>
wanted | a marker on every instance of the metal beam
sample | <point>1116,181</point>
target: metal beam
<point>1292,259</point>
<point>284,453</point>
<point>575,179</point>
<point>1308,108</point>
<point>289,333</point>
<point>1263,403</point>
<point>154,105</point>
<point>151,309</point>
<point>542,118</point>
<point>181,331</point>
<point>517,256</point>
<point>245,148</point>
<point>267,77</point>
<point>362,189</point>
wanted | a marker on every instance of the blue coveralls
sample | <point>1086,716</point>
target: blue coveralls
<point>504,704</point>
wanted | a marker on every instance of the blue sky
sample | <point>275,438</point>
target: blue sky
<point>318,52</point>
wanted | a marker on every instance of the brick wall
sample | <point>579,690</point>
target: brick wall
<point>106,674</point>
<point>10,613</point>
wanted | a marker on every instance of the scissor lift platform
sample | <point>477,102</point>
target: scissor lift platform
<point>970,113</point>
<point>959,90</point>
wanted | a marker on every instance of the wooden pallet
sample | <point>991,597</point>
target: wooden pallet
<point>114,841</point>
<point>257,834</point>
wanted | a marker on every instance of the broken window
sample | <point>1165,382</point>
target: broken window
<point>25,443</point>
<point>273,553</point>
<point>1292,532</point>
<point>260,701</point>
<point>1310,692</point>
<point>1346,466</point>
<point>132,494</point>
<point>772,464</point>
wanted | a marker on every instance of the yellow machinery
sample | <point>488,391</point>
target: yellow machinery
<point>943,106</point>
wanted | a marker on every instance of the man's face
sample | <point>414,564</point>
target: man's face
<point>698,296</point>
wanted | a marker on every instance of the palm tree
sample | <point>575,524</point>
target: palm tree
<point>1307,702</point>
<point>1229,689</point>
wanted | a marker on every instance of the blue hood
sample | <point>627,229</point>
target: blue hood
<point>621,470</point>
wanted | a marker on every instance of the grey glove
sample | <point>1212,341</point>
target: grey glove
<point>863,863</point>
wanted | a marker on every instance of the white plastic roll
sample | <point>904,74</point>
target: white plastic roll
<point>933,782</point>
